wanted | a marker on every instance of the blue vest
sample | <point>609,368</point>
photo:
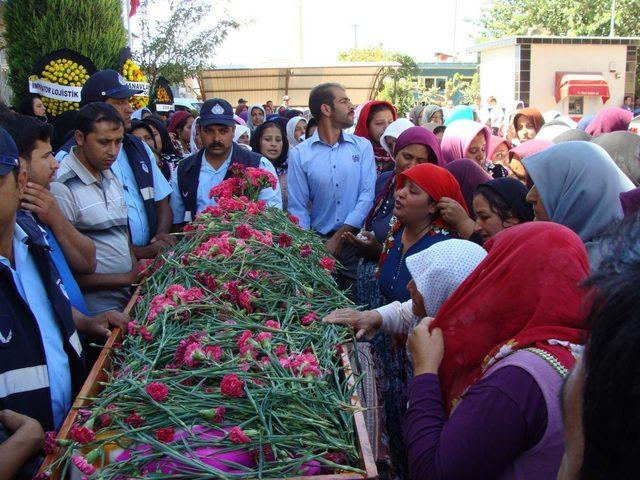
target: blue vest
<point>22,356</point>
<point>142,171</point>
<point>189,173</point>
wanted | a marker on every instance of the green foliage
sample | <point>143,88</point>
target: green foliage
<point>558,17</point>
<point>467,90</point>
<point>400,92</point>
<point>35,28</point>
<point>182,43</point>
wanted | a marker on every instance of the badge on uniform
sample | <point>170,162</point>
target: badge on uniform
<point>355,158</point>
<point>6,339</point>
<point>144,167</point>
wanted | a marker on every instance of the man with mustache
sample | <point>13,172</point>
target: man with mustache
<point>197,174</point>
<point>335,173</point>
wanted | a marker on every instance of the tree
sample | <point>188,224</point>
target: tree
<point>35,28</point>
<point>396,87</point>
<point>178,46</point>
<point>558,17</point>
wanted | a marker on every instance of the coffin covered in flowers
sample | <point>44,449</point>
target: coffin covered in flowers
<point>225,371</point>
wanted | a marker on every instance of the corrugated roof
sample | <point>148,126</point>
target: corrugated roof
<point>259,84</point>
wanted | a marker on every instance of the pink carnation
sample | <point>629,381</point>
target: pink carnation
<point>50,443</point>
<point>284,240</point>
<point>309,318</point>
<point>305,250</point>
<point>81,464</point>
<point>272,324</point>
<point>193,354</point>
<point>264,338</point>
<point>134,420</point>
<point>81,434</point>
<point>214,352</point>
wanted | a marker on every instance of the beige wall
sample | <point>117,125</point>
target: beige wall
<point>546,60</point>
<point>498,74</point>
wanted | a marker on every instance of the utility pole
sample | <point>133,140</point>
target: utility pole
<point>355,35</point>
<point>127,6</point>
<point>455,25</point>
<point>612,25</point>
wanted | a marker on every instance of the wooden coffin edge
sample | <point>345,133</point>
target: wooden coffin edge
<point>98,374</point>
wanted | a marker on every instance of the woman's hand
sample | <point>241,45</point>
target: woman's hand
<point>426,348</point>
<point>366,242</point>
<point>363,323</point>
<point>454,214</point>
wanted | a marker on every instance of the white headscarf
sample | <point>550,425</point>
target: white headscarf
<point>440,269</point>
<point>192,140</point>
<point>250,124</point>
<point>241,130</point>
<point>394,130</point>
<point>291,128</point>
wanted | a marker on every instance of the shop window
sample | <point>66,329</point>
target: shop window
<point>576,105</point>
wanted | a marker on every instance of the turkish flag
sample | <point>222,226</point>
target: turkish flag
<point>134,7</point>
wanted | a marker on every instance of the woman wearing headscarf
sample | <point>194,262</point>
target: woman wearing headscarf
<point>295,130</point>
<point>522,151</point>
<point>417,223</point>
<point>432,114</point>
<point>624,149</point>
<point>498,156</point>
<point>390,136</point>
<point>497,204</point>
<point>415,115</point>
<point>576,184</point>
<point>180,131</point>
<point>609,119</point>
<point>527,123</point>
<point>165,153</point>
<point>255,116</point>
<point>413,147</point>
<point>242,136</point>
<point>375,117</point>
<point>312,126</point>
<point>483,402</point>
<point>574,135</point>
<point>270,140</point>
<point>195,143</point>
<point>437,130</point>
<point>32,106</point>
<point>468,175</point>
<point>145,132</point>
<point>466,139</point>
<point>460,112</point>
<point>435,274</point>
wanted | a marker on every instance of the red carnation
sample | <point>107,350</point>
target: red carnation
<point>134,420</point>
<point>164,435</point>
<point>214,352</point>
<point>158,391</point>
<point>295,220</point>
<point>81,434</point>
<point>284,240</point>
<point>328,263</point>
<point>305,251</point>
<point>237,435</point>
<point>219,416</point>
<point>232,386</point>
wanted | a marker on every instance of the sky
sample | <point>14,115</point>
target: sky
<point>269,31</point>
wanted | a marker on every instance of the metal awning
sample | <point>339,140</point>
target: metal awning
<point>582,85</point>
<point>259,84</point>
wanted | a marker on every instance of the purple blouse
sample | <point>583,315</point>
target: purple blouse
<point>501,416</point>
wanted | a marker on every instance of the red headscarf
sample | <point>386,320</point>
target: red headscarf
<point>436,181</point>
<point>362,129</point>
<point>176,119</point>
<point>534,115</point>
<point>540,265</point>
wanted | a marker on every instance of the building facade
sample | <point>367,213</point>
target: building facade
<point>574,75</point>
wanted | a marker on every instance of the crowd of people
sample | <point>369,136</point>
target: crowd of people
<point>494,255</point>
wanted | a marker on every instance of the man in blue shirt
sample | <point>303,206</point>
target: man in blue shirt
<point>332,176</point>
<point>146,190</point>
<point>73,252</point>
<point>41,360</point>
<point>197,174</point>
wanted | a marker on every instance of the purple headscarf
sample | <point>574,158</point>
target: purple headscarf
<point>419,136</point>
<point>469,175</point>
<point>531,147</point>
<point>610,119</point>
<point>244,115</point>
<point>458,136</point>
<point>630,201</point>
